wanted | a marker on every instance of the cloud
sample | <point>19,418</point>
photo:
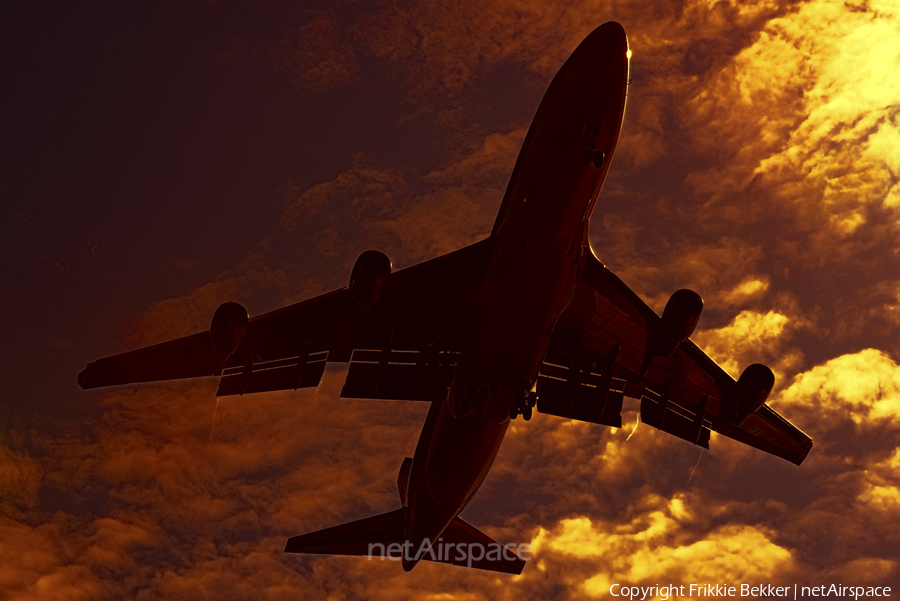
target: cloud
<point>863,387</point>
<point>658,547</point>
<point>20,479</point>
<point>363,192</point>
<point>753,337</point>
<point>810,122</point>
<point>316,56</point>
<point>413,215</point>
<point>777,165</point>
<point>443,49</point>
<point>156,503</point>
<point>836,523</point>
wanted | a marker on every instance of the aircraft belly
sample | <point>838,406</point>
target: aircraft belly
<point>459,456</point>
<point>523,296</point>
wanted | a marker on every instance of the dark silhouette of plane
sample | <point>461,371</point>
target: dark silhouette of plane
<point>528,317</point>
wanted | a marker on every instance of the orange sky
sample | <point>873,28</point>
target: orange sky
<point>170,158</point>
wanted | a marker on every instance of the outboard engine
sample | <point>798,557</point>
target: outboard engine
<point>369,278</point>
<point>752,390</point>
<point>226,332</point>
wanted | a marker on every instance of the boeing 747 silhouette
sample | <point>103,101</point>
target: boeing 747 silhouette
<point>526,318</point>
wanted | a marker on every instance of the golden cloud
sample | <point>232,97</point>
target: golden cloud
<point>809,112</point>
<point>863,387</point>
<point>660,545</point>
<point>752,337</point>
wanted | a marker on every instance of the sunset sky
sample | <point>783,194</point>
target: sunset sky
<point>160,158</point>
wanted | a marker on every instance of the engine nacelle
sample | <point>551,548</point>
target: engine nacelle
<point>369,278</point>
<point>226,331</point>
<point>681,315</point>
<point>752,390</point>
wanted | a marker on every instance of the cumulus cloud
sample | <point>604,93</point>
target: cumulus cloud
<point>863,387</point>
<point>658,547</point>
<point>753,337</point>
<point>842,147</point>
<point>647,523</point>
<point>807,113</point>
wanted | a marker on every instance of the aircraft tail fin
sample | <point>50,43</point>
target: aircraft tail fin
<point>382,536</point>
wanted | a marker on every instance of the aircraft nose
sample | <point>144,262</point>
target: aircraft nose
<point>612,35</point>
<point>611,29</point>
<point>606,48</point>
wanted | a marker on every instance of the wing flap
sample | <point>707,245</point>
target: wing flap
<point>555,399</point>
<point>286,374</point>
<point>671,419</point>
<point>399,375</point>
<point>595,399</point>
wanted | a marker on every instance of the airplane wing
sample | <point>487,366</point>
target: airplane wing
<point>605,348</point>
<point>404,346</point>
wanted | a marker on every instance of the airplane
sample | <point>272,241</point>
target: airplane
<point>526,318</point>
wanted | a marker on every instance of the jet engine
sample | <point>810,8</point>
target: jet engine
<point>227,331</point>
<point>681,315</point>
<point>369,278</point>
<point>753,388</point>
<point>751,391</point>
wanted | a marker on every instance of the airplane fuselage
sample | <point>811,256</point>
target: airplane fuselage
<point>541,240</point>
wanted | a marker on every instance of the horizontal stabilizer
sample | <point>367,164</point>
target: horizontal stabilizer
<point>382,536</point>
<point>353,538</point>
<point>460,533</point>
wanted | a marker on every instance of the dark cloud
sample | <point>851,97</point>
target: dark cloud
<point>413,214</point>
<point>315,56</point>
